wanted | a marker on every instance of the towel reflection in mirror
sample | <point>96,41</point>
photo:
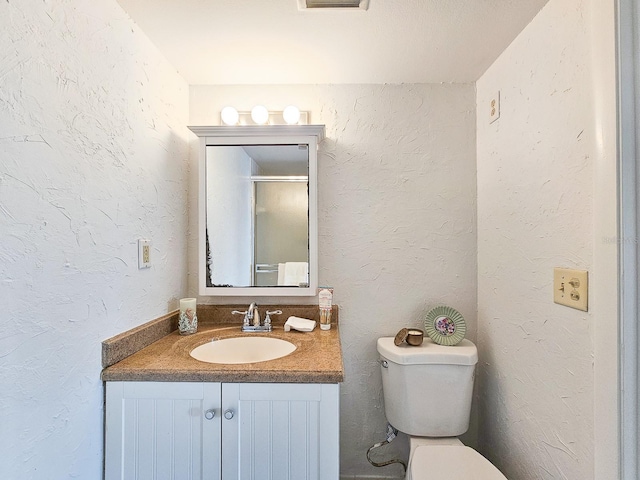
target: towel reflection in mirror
<point>293,274</point>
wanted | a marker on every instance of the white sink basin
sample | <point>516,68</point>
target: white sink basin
<point>242,350</point>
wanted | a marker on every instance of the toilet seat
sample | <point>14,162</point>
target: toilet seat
<point>447,462</point>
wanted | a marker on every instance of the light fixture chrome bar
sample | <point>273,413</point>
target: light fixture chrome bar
<point>275,118</point>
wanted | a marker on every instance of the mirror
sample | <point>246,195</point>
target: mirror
<point>257,221</point>
<point>257,210</point>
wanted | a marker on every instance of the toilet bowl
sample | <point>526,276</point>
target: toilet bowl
<point>450,462</point>
<point>447,459</point>
<point>427,395</point>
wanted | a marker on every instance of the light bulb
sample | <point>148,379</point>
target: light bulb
<point>291,115</point>
<point>260,114</point>
<point>229,116</point>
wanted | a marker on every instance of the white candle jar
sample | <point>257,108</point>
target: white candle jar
<point>188,320</point>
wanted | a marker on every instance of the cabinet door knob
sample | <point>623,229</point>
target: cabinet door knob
<point>228,414</point>
<point>209,414</point>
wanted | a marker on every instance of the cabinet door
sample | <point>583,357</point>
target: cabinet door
<point>159,430</point>
<point>280,431</point>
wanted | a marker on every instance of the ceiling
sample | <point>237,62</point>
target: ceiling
<point>236,42</point>
<point>279,159</point>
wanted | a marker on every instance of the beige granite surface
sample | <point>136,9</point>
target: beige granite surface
<point>317,358</point>
<point>121,346</point>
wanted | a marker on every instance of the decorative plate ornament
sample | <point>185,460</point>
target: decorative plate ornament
<point>445,326</point>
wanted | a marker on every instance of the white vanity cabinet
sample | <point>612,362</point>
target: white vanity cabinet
<point>227,431</point>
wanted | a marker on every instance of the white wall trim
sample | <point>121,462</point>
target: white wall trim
<point>628,85</point>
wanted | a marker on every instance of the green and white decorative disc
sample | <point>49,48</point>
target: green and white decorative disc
<point>445,326</point>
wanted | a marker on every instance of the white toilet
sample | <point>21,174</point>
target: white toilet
<point>427,395</point>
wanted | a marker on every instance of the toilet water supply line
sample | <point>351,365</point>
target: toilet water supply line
<point>391,434</point>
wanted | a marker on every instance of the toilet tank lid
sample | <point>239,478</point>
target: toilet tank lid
<point>464,353</point>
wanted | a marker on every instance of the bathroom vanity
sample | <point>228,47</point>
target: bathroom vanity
<point>171,416</point>
<point>213,430</point>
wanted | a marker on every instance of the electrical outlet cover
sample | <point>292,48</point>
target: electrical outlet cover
<point>494,107</point>
<point>571,288</point>
<point>144,253</point>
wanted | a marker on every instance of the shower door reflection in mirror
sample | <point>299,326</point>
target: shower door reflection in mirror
<point>281,239</point>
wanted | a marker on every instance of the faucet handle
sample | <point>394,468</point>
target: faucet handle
<point>245,321</point>
<point>267,319</point>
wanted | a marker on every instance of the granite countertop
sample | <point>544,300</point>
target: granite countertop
<point>317,358</point>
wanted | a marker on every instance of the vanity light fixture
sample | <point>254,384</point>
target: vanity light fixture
<point>229,116</point>
<point>291,115</point>
<point>260,115</point>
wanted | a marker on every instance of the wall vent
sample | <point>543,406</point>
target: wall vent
<point>347,4</point>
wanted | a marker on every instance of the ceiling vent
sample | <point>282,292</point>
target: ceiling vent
<point>347,4</point>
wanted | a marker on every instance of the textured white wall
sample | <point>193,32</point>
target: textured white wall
<point>93,151</point>
<point>535,211</point>
<point>397,192</point>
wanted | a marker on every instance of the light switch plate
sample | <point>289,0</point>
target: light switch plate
<point>571,288</point>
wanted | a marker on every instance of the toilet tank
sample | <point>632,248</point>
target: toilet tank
<point>428,388</point>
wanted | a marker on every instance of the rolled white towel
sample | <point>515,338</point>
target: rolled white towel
<point>300,324</point>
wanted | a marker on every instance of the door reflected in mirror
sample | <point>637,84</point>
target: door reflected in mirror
<point>257,215</point>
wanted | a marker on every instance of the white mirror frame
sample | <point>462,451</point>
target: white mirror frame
<point>311,135</point>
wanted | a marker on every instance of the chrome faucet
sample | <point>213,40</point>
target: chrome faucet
<point>251,321</point>
<point>254,314</point>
